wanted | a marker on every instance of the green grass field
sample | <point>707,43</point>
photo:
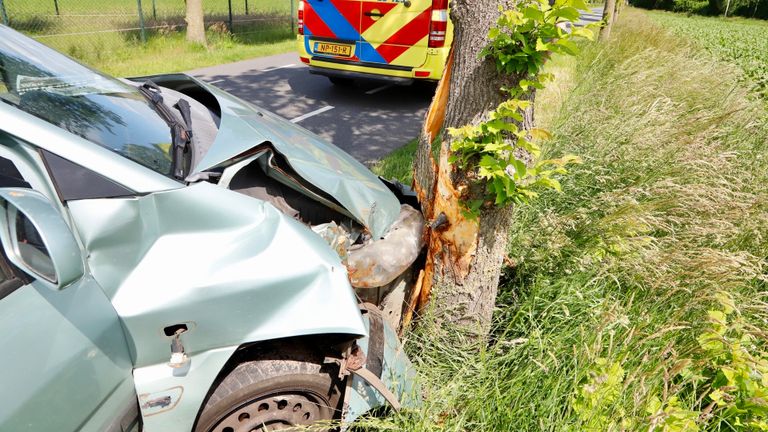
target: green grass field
<point>106,33</point>
<point>640,289</point>
<point>129,7</point>
<point>743,42</point>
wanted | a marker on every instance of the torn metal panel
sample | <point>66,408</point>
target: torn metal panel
<point>396,371</point>
<point>322,164</point>
<point>231,268</point>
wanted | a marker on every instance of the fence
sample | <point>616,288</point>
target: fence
<point>72,25</point>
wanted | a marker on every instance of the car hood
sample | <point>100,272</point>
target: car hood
<point>245,126</point>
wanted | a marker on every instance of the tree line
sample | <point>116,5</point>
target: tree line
<point>743,8</point>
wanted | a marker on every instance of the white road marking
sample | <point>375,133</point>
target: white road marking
<point>378,89</point>
<point>311,114</point>
<point>270,69</point>
<point>214,82</point>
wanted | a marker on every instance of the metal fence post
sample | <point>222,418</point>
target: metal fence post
<point>3,13</point>
<point>141,22</point>
<point>229,2</point>
<point>293,16</point>
<point>246,7</point>
<point>56,6</point>
<point>154,10</point>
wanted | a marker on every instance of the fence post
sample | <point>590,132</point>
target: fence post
<point>141,22</point>
<point>293,16</point>
<point>56,6</point>
<point>154,11</point>
<point>246,7</point>
<point>229,2</point>
<point>3,13</point>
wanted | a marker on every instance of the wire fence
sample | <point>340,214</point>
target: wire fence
<point>73,25</point>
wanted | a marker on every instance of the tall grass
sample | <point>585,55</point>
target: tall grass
<point>600,314</point>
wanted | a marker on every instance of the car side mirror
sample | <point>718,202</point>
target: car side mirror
<point>36,238</point>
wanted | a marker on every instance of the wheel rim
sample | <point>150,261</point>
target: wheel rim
<point>282,411</point>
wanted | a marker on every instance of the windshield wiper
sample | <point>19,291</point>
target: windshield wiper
<point>181,131</point>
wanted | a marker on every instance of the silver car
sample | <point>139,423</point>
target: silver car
<point>176,259</point>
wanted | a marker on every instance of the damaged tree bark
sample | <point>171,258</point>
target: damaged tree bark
<point>464,255</point>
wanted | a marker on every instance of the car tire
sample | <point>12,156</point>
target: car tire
<point>273,394</point>
<point>341,82</point>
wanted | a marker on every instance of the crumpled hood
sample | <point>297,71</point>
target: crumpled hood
<point>357,189</point>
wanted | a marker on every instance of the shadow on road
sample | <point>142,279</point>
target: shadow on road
<point>368,126</point>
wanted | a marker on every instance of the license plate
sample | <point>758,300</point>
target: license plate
<point>333,49</point>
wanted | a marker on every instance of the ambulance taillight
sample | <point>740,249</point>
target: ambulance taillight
<point>439,25</point>
<point>300,20</point>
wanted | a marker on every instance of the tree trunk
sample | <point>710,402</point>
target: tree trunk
<point>464,256</point>
<point>195,22</point>
<point>609,15</point>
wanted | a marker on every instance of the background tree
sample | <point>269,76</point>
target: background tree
<point>195,22</point>
<point>609,15</point>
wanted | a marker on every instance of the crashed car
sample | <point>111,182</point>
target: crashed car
<point>176,259</point>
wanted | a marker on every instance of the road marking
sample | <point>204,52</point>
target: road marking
<point>270,69</point>
<point>378,89</point>
<point>214,82</point>
<point>311,114</point>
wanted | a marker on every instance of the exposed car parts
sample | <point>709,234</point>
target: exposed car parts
<point>371,263</point>
<point>379,262</point>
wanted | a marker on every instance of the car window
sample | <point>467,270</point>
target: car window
<point>10,175</point>
<point>106,111</point>
<point>76,182</point>
<point>5,275</point>
<point>9,282</point>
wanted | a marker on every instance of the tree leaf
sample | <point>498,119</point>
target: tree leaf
<point>540,134</point>
<point>569,13</point>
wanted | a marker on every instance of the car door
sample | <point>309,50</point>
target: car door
<point>332,28</point>
<point>379,32</point>
<point>396,33</point>
<point>64,360</point>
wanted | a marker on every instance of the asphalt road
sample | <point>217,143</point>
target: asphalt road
<point>593,16</point>
<point>367,120</point>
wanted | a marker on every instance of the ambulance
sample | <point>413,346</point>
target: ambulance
<point>400,41</point>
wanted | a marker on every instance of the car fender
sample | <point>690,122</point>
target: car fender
<point>169,398</point>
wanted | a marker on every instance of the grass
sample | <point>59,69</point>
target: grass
<point>740,41</point>
<point>599,320</point>
<point>163,7</point>
<point>398,164</point>
<point>174,54</point>
<point>106,35</point>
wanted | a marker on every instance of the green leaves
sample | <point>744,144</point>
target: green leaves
<point>567,13</point>
<point>597,393</point>
<point>523,38</point>
<point>520,43</point>
<point>490,149</point>
<point>732,376</point>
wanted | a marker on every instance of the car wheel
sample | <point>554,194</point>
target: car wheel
<point>269,395</point>
<point>343,82</point>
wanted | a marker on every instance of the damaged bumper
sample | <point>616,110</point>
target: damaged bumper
<point>379,262</point>
<point>387,362</point>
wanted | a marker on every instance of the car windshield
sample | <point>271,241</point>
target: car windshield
<point>113,114</point>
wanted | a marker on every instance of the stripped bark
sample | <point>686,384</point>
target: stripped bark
<point>465,256</point>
